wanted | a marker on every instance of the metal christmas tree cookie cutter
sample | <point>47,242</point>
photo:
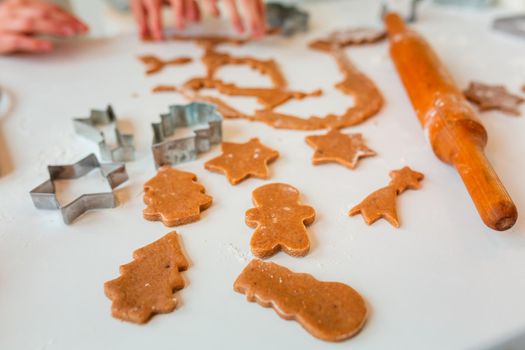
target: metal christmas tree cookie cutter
<point>123,151</point>
<point>44,196</point>
<point>206,124</point>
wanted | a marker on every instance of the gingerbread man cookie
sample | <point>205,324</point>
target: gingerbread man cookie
<point>146,285</point>
<point>279,221</point>
<point>174,198</point>
<point>330,311</point>
<point>242,160</point>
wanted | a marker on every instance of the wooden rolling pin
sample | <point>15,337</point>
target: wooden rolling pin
<point>455,134</point>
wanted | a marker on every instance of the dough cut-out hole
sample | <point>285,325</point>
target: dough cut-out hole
<point>244,76</point>
<point>332,101</point>
<point>245,104</point>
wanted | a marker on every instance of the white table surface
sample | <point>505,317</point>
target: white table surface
<point>441,281</point>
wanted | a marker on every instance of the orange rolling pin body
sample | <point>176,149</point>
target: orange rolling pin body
<point>455,134</point>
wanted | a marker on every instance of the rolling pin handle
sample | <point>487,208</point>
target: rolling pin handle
<point>492,201</point>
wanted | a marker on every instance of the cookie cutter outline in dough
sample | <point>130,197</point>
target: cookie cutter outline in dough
<point>169,150</point>
<point>289,19</point>
<point>44,195</point>
<point>88,127</point>
<point>514,25</point>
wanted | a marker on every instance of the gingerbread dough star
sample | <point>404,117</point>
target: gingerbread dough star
<point>489,97</point>
<point>404,179</point>
<point>238,161</point>
<point>336,147</point>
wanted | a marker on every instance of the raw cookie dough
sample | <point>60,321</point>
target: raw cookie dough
<point>330,311</point>
<point>279,221</point>
<point>381,204</point>
<point>146,284</point>
<point>493,97</point>
<point>367,98</point>
<point>239,161</point>
<point>348,37</point>
<point>174,197</point>
<point>336,147</point>
<point>155,64</point>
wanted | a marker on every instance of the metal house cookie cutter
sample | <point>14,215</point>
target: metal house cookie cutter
<point>514,25</point>
<point>124,151</point>
<point>44,195</point>
<point>168,149</point>
<point>288,18</point>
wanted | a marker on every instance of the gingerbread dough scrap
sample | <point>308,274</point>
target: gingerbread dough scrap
<point>490,97</point>
<point>213,60</point>
<point>367,102</point>
<point>270,98</point>
<point>330,311</point>
<point>381,204</point>
<point>279,221</point>
<point>208,41</point>
<point>146,285</point>
<point>348,37</point>
<point>173,197</point>
<point>155,64</point>
<point>241,160</point>
<point>367,98</point>
<point>336,147</point>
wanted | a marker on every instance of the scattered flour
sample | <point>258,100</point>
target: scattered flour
<point>241,256</point>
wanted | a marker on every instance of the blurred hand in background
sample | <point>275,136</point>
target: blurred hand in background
<point>22,21</point>
<point>148,15</point>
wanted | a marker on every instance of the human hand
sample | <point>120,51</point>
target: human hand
<point>21,20</point>
<point>148,15</point>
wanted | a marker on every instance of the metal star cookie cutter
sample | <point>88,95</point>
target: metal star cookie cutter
<point>123,151</point>
<point>514,25</point>
<point>169,149</point>
<point>44,195</point>
<point>287,18</point>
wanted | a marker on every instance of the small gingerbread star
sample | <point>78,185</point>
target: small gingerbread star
<point>238,161</point>
<point>404,179</point>
<point>336,147</point>
<point>489,97</point>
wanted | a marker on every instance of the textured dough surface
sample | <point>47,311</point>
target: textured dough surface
<point>330,311</point>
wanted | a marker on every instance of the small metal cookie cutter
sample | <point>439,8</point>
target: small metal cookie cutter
<point>123,151</point>
<point>514,25</point>
<point>44,195</point>
<point>288,19</point>
<point>169,149</point>
<point>411,12</point>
